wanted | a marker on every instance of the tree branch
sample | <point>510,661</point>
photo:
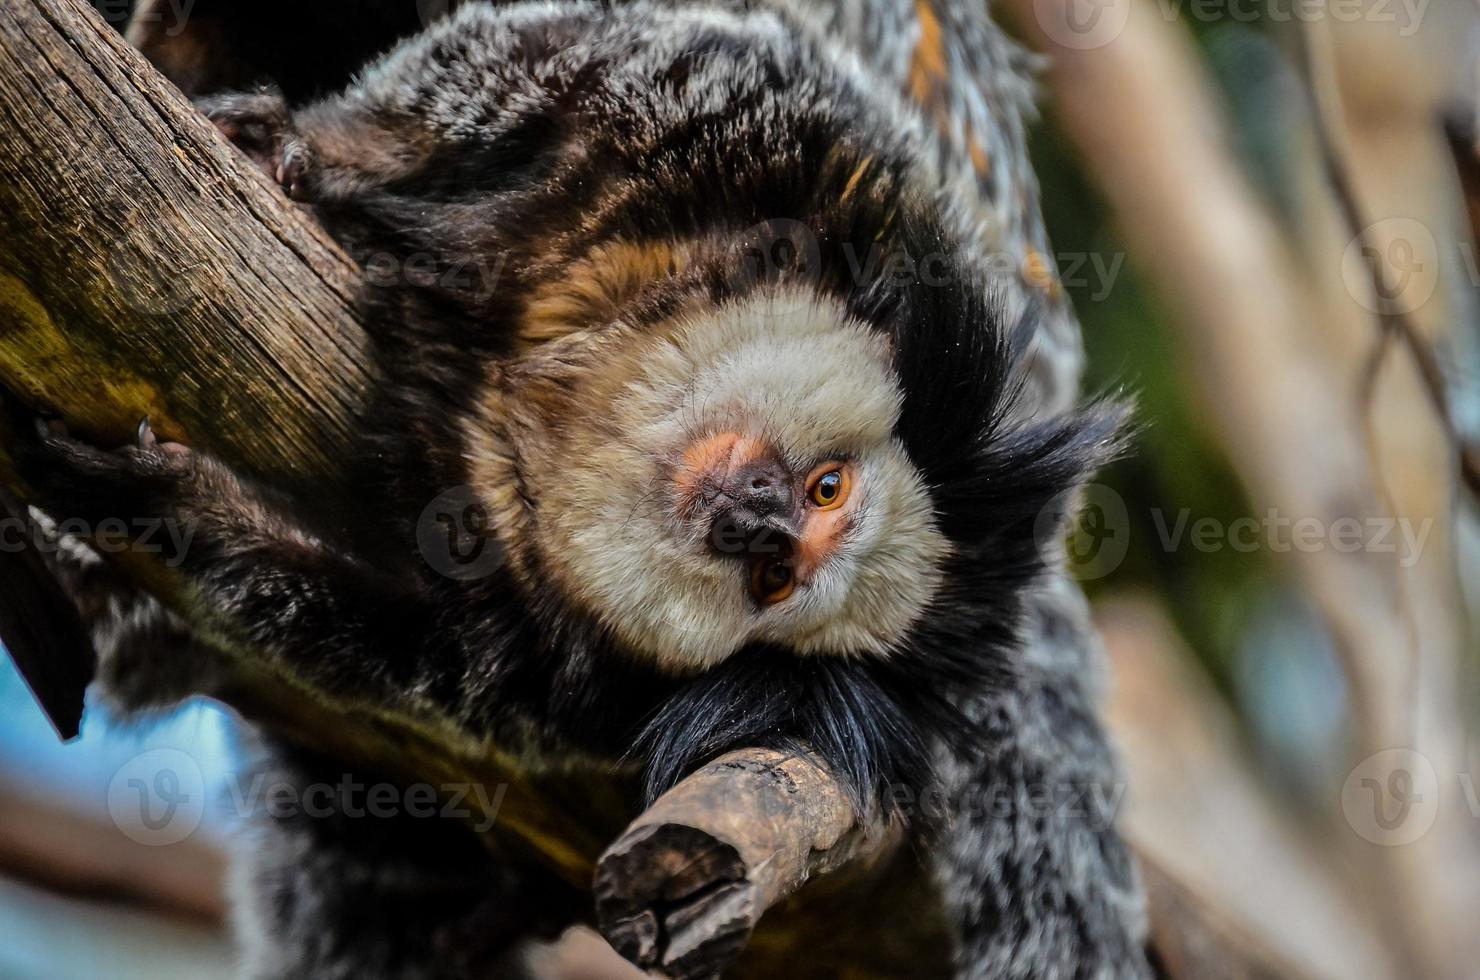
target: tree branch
<point>147,267</point>
<point>671,895</point>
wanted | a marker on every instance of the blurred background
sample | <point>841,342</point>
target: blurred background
<point>1265,213</point>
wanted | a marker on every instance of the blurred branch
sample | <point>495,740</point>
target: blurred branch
<point>64,851</point>
<point>1140,111</point>
<point>1225,866</point>
<point>1193,938</point>
<point>1319,63</point>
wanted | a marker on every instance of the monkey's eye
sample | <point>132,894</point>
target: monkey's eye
<point>828,489</point>
<point>771,580</point>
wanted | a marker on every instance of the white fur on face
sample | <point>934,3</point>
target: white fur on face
<point>795,373</point>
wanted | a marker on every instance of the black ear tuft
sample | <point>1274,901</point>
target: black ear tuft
<point>1007,484</point>
<point>956,371</point>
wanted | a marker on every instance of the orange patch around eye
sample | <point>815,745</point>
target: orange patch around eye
<point>816,491</point>
<point>822,534</point>
<point>707,454</point>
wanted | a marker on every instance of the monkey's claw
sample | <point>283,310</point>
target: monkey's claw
<point>292,170</point>
<point>148,440</point>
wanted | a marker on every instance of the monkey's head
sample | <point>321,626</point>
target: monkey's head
<point>731,474</point>
<point>802,489</point>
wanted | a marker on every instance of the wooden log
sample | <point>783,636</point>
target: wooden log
<point>673,896</point>
<point>148,268</point>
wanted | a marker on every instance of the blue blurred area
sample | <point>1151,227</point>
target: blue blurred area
<point>79,772</point>
<point>46,936</point>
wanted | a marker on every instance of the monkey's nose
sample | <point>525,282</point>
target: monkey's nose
<point>763,487</point>
<point>758,514</point>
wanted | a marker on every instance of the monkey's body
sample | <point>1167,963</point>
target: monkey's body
<point>581,225</point>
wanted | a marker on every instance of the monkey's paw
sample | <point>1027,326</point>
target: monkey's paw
<point>676,900</point>
<point>122,492</point>
<point>260,126</point>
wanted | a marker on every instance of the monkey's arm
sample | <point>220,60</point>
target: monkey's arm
<point>1034,849</point>
<point>256,577</point>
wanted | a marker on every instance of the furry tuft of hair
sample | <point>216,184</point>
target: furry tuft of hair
<point>839,711</point>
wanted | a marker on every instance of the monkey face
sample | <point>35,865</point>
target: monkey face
<point>733,477</point>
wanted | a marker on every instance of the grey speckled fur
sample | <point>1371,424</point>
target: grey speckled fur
<point>1042,885</point>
